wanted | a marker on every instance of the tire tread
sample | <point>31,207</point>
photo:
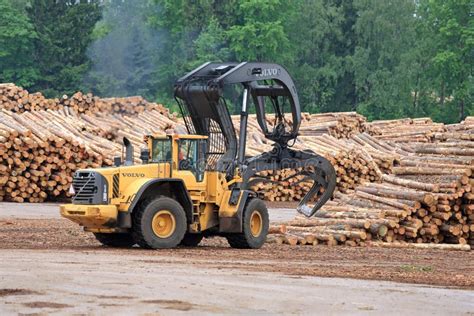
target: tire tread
<point>118,240</point>
<point>242,240</point>
<point>140,236</point>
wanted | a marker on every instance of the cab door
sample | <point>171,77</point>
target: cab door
<point>192,162</point>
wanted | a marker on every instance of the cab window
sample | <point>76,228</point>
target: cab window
<point>191,156</point>
<point>161,150</point>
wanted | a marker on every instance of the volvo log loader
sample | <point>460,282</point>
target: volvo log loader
<point>197,184</point>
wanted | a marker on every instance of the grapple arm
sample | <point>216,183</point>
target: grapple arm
<point>310,166</point>
<point>273,92</point>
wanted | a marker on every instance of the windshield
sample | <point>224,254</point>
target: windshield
<point>161,150</point>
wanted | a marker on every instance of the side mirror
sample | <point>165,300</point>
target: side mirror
<point>117,161</point>
<point>145,155</point>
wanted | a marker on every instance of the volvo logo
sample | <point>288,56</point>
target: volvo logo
<point>135,175</point>
<point>268,72</point>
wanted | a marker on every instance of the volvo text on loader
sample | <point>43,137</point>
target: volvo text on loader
<point>196,185</point>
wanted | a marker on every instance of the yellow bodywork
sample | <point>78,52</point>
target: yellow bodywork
<point>94,217</point>
<point>210,197</point>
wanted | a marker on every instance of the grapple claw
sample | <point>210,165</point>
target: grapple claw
<point>313,167</point>
<point>324,177</point>
<point>305,210</point>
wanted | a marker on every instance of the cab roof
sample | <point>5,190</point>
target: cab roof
<point>177,136</point>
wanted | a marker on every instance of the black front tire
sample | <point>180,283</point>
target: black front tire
<point>247,240</point>
<point>118,240</point>
<point>142,223</point>
<point>191,240</point>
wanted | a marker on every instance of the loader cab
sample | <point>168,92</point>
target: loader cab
<point>185,153</point>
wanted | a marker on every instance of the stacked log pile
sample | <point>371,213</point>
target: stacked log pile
<point>127,105</point>
<point>38,156</point>
<point>19,100</point>
<point>405,130</point>
<point>401,181</point>
<point>387,212</point>
<point>425,198</point>
<point>338,125</point>
<point>40,150</point>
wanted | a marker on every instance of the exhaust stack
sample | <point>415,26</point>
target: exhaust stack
<point>128,152</point>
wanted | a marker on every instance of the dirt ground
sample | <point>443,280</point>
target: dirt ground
<point>51,250</point>
<point>434,267</point>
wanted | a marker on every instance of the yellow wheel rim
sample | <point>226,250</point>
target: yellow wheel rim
<point>256,224</point>
<point>163,224</point>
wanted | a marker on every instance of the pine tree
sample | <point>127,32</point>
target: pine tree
<point>384,36</point>
<point>63,29</point>
<point>448,27</point>
<point>16,43</point>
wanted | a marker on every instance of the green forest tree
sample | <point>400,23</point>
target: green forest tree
<point>316,35</point>
<point>385,59</point>
<point>16,46</point>
<point>261,35</point>
<point>384,38</point>
<point>450,64</point>
<point>190,33</point>
<point>63,31</point>
<point>211,44</point>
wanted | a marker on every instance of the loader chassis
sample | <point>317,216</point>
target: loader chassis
<point>209,205</point>
<point>197,185</point>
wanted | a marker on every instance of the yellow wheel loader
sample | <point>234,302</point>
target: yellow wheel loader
<point>196,185</point>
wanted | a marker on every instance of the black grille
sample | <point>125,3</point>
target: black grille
<point>206,113</point>
<point>186,117</point>
<point>90,188</point>
<point>217,142</point>
<point>217,145</point>
<point>116,185</point>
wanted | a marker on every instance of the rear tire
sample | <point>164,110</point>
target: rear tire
<point>122,240</point>
<point>191,240</point>
<point>254,226</point>
<point>159,223</point>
